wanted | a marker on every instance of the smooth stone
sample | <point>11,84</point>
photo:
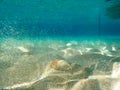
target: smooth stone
<point>107,82</point>
<point>87,84</point>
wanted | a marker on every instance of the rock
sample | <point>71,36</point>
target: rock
<point>60,65</point>
<point>107,82</point>
<point>87,84</point>
<point>116,70</point>
<point>56,67</point>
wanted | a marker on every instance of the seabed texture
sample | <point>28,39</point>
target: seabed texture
<point>59,44</point>
<point>34,64</point>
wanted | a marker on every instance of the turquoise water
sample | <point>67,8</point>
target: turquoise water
<point>57,18</point>
<point>33,33</point>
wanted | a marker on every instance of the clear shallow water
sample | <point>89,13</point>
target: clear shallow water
<point>24,60</point>
<point>35,32</point>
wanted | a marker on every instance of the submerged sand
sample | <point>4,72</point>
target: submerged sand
<point>24,61</point>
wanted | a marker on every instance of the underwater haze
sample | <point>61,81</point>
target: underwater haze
<point>59,45</point>
<point>35,18</point>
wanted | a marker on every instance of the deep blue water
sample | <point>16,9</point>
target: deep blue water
<point>36,18</point>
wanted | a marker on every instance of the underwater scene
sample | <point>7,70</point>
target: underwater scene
<point>59,44</point>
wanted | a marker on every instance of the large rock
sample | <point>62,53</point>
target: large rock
<point>107,82</point>
<point>87,84</point>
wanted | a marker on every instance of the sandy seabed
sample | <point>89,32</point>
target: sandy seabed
<point>23,62</point>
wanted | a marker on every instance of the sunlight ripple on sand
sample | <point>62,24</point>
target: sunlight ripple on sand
<point>23,49</point>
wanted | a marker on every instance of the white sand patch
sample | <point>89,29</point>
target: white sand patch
<point>80,51</point>
<point>116,70</point>
<point>25,84</point>
<point>116,86</point>
<point>68,52</point>
<point>69,44</point>
<point>105,51</point>
<point>23,49</point>
<point>113,48</point>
